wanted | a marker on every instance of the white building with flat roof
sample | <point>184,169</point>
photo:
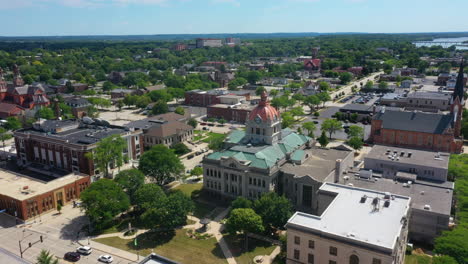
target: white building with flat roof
<point>353,226</point>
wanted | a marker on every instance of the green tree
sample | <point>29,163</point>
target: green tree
<point>445,67</point>
<point>310,127</point>
<point>4,136</point>
<point>274,210</point>
<point>345,77</point>
<point>108,86</point>
<point>356,131</point>
<point>148,196</point>
<point>45,113</point>
<point>197,171</point>
<point>192,122</point>
<point>12,123</point>
<point>234,84</point>
<point>167,212</point>
<point>180,149</point>
<point>59,208</point>
<point>287,120</point>
<point>102,201</point>
<point>160,163</point>
<point>297,111</point>
<point>355,142</point>
<point>120,104</point>
<point>324,97</point>
<point>312,101</point>
<point>244,220</point>
<point>260,90</point>
<point>383,85</point>
<point>331,126</point>
<point>443,260</point>
<point>130,181</point>
<point>109,151</point>
<point>323,140</point>
<point>274,93</point>
<point>369,85</point>
<point>160,107</point>
<point>142,102</point>
<point>253,77</point>
<point>179,110</point>
<point>241,202</point>
<point>324,86</point>
<point>46,258</point>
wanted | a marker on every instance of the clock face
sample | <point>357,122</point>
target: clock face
<point>258,119</point>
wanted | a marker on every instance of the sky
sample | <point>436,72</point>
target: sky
<point>142,17</point>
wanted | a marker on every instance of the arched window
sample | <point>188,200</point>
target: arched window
<point>353,259</point>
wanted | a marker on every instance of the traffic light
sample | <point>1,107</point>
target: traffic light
<point>41,239</point>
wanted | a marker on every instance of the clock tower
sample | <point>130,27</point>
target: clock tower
<point>263,123</point>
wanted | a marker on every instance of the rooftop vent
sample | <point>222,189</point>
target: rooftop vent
<point>375,201</point>
<point>387,203</point>
<point>387,195</point>
<point>410,154</point>
<point>427,207</point>
<point>363,199</point>
<point>422,192</point>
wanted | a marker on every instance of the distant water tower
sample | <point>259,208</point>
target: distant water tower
<point>315,51</point>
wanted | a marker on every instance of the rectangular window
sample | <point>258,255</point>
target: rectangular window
<point>297,240</point>
<point>376,261</point>
<point>331,262</point>
<point>310,258</point>
<point>311,244</point>
<point>296,254</point>
<point>333,251</point>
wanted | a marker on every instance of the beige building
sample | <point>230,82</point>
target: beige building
<point>352,226</point>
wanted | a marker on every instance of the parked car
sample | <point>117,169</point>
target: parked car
<point>72,256</point>
<point>85,250</point>
<point>205,128</point>
<point>105,258</point>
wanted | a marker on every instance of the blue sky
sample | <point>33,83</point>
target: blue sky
<point>130,17</point>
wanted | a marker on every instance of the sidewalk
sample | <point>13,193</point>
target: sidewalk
<point>132,258</point>
<point>215,229</point>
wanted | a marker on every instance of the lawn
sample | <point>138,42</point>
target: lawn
<point>193,190</point>
<point>256,248</point>
<point>188,189</point>
<point>417,259</point>
<point>173,245</point>
<point>198,135</point>
<point>214,136</point>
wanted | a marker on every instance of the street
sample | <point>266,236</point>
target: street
<point>59,233</point>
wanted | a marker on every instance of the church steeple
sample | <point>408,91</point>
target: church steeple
<point>17,80</point>
<point>459,86</point>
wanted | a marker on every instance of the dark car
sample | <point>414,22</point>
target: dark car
<point>72,256</point>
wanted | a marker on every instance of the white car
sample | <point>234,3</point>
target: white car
<point>105,258</point>
<point>85,250</point>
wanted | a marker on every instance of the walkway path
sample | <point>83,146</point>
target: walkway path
<point>215,229</point>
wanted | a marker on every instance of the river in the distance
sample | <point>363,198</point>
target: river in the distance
<point>428,44</point>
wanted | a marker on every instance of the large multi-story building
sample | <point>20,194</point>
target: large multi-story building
<point>230,112</point>
<point>209,42</point>
<point>407,164</point>
<point>431,202</point>
<point>352,225</point>
<point>28,196</point>
<point>205,98</point>
<point>167,129</point>
<point>250,166</point>
<point>424,101</point>
<point>63,144</point>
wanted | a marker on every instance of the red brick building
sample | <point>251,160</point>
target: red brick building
<point>236,113</point>
<point>27,197</point>
<point>180,47</point>
<point>16,92</point>
<point>7,110</point>
<point>312,65</point>
<point>206,98</point>
<point>63,144</point>
<point>432,131</point>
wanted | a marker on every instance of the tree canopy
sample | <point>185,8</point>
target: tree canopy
<point>108,151</point>
<point>161,164</point>
<point>130,181</point>
<point>102,201</point>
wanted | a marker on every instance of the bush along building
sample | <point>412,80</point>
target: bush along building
<point>63,144</point>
